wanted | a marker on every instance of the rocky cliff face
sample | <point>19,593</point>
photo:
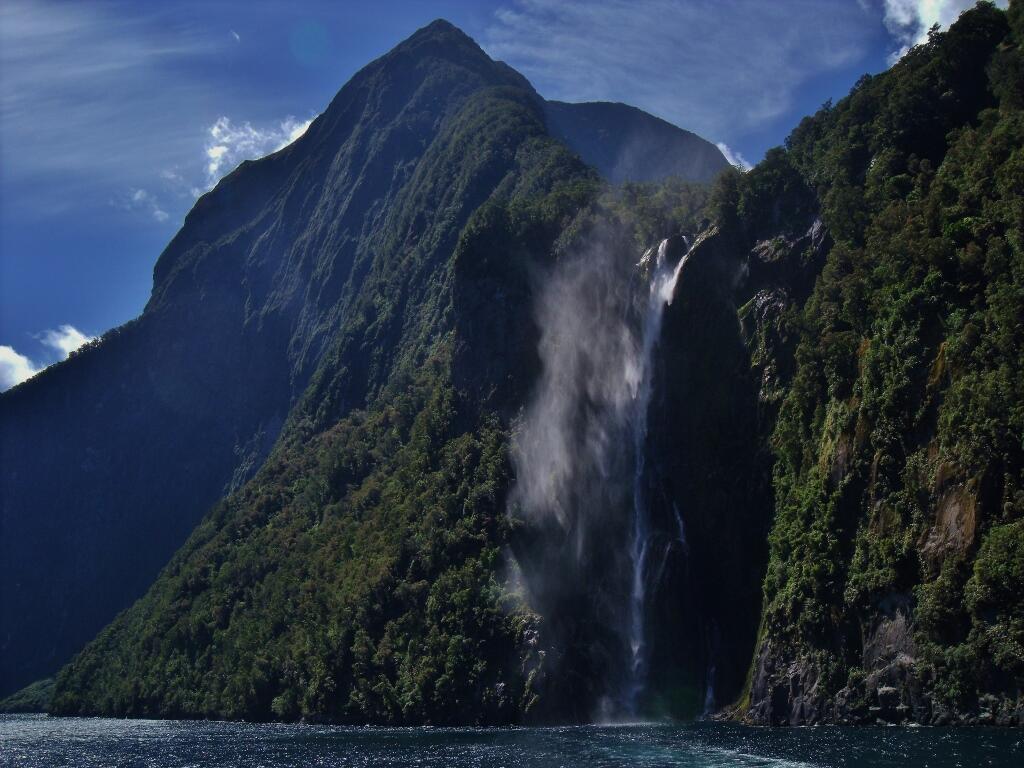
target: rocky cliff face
<point>841,437</point>
<point>892,418</point>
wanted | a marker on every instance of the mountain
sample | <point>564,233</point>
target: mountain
<point>626,144</point>
<point>571,452</point>
<point>296,291</point>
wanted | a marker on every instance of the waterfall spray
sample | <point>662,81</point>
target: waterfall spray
<point>600,327</point>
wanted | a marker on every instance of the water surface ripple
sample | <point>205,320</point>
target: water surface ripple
<point>53,742</point>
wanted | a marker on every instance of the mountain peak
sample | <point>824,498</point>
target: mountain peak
<point>440,31</point>
<point>440,26</point>
<point>442,41</point>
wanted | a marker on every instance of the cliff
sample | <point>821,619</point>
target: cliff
<point>879,295</point>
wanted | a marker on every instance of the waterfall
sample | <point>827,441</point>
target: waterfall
<point>579,450</point>
<point>712,643</point>
<point>662,288</point>
<point>709,691</point>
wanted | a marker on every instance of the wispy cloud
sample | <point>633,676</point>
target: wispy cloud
<point>910,20</point>
<point>16,367</point>
<point>65,340</point>
<point>229,144</point>
<point>89,93</point>
<point>95,97</point>
<point>734,158</point>
<point>717,67</point>
<point>174,182</point>
<point>144,201</point>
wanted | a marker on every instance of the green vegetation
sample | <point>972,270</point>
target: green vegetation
<point>32,698</point>
<point>354,580</point>
<point>359,576</point>
<point>329,247</point>
<point>899,474</point>
<point>356,576</point>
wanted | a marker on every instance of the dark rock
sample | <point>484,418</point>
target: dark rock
<point>888,697</point>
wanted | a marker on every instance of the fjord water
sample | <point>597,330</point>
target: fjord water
<point>37,741</point>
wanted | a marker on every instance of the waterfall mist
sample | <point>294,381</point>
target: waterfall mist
<point>579,457</point>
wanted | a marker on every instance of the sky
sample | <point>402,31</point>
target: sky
<point>115,115</point>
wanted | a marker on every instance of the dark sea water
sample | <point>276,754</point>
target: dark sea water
<point>51,742</point>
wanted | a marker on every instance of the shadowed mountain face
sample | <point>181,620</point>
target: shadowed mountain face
<point>627,144</point>
<point>292,294</point>
<point>110,459</point>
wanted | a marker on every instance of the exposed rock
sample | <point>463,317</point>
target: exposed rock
<point>787,692</point>
<point>793,262</point>
<point>891,636</point>
<point>842,459</point>
<point>954,526</point>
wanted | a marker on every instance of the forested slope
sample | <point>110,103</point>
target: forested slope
<point>896,564</point>
<point>354,576</point>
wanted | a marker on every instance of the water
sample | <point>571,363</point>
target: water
<point>579,455</point>
<point>37,741</point>
<point>663,284</point>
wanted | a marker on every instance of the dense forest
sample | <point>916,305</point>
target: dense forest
<point>837,418</point>
<point>896,565</point>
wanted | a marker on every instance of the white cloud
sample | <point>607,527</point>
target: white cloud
<point>910,20</point>
<point>721,69</point>
<point>16,367</point>
<point>178,185</point>
<point>145,201</point>
<point>96,98</point>
<point>66,339</point>
<point>230,144</point>
<point>297,129</point>
<point>735,158</point>
<point>215,154</point>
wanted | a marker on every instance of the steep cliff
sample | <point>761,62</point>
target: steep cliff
<point>879,291</point>
<point>390,253</point>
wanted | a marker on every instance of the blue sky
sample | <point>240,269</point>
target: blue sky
<point>116,115</point>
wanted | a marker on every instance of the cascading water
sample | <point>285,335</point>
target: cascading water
<point>600,319</point>
<point>662,288</point>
